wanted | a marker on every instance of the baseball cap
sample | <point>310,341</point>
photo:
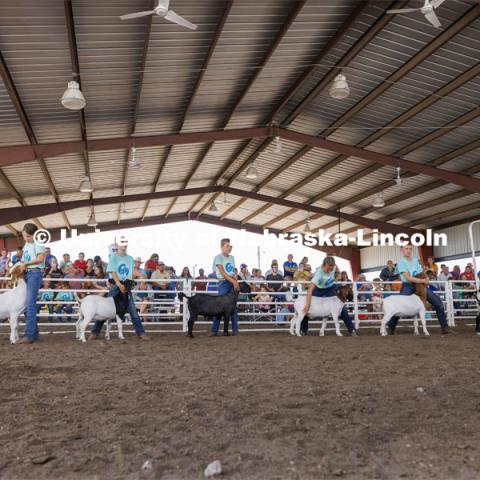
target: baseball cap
<point>243,265</point>
<point>161,263</point>
<point>138,259</point>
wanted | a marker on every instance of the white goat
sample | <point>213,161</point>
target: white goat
<point>321,307</point>
<point>407,305</point>
<point>94,307</point>
<point>13,302</point>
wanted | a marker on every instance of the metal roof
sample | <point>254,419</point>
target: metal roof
<point>415,94</point>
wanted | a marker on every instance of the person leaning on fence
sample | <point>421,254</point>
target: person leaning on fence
<point>323,285</point>
<point>408,267</point>
<point>120,268</point>
<point>224,266</point>
<point>32,263</point>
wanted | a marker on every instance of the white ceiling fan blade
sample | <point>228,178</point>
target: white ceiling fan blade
<point>129,16</point>
<point>433,19</point>
<point>171,16</point>
<point>436,3</point>
<point>404,10</point>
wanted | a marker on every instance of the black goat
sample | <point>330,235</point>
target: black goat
<point>210,306</point>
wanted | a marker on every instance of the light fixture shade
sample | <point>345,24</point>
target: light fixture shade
<point>73,98</point>
<point>213,208</point>
<point>278,145</point>
<point>92,221</point>
<point>378,201</point>
<point>86,185</point>
<point>307,228</point>
<point>251,173</point>
<point>340,88</point>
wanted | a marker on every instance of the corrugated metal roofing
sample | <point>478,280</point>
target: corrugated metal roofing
<point>110,54</point>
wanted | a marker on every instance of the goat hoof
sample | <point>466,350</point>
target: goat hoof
<point>226,334</point>
<point>190,335</point>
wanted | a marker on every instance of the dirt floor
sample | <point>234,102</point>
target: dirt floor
<point>268,406</point>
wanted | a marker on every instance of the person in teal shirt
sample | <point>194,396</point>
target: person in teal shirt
<point>32,263</point>
<point>64,296</point>
<point>120,268</point>
<point>224,268</point>
<point>323,285</point>
<point>408,267</point>
<point>46,296</point>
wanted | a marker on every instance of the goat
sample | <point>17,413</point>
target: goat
<point>321,307</point>
<point>94,307</point>
<point>13,302</point>
<point>409,305</point>
<point>210,306</point>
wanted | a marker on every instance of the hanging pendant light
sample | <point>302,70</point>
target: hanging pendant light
<point>251,173</point>
<point>378,201</point>
<point>340,88</point>
<point>307,228</point>
<point>86,185</point>
<point>213,207</point>
<point>134,162</point>
<point>278,144</point>
<point>92,221</point>
<point>73,98</point>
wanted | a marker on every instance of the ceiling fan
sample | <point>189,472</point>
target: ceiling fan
<point>398,179</point>
<point>162,10</point>
<point>428,10</point>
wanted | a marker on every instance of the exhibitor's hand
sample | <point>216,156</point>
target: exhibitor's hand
<point>236,286</point>
<point>121,287</point>
<point>23,266</point>
<point>306,308</point>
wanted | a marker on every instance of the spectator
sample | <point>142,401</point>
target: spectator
<point>258,275</point>
<point>456,273</point>
<point>186,276</point>
<point>468,273</point>
<point>48,257</point>
<point>431,265</point>
<point>304,261</point>
<point>64,296</point>
<point>97,260</point>
<point>244,273</point>
<point>17,256</point>
<point>97,284</point>
<point>289,267</point>
<point>73,273</point>
<point>4,261</point>
<point>377,298</point>
<point>46,296</point>
<point>151,265</point>
<point>263,296</point>
<point>65,263</point>
<point>274,278</point>
<point>388,273</point>
<point>90,269</point>
<point>80,263</point>
<point>274,264</point>
<point>212,286</point>
<point>200,286</point>
<point>301,275</point>
<point>162,280</point>
<point>344,277</point>
<point>53,272</point>
<point>444,275</point>
<point>308,270</point>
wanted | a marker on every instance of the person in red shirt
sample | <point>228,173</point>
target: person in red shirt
<point>201,286</point>
<point>151,265</point>
<point>469,273</point>
<point>80,262</point>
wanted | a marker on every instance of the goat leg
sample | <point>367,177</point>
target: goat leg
<point>226,318</point>
<point>191,321</point>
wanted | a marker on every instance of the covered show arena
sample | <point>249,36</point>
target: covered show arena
<point>286,116</point>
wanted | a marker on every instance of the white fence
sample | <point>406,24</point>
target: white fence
<point>161,305</point>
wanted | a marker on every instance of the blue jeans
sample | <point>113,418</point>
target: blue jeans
<point>50,310</point>
<point>34,283</point>
<point>223,288</point>
<point>132,310</point>
<point>433,299</point>
<point>324,293</point>
<point>66,309</point>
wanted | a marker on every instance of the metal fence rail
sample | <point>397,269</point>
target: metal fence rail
<point>161,305</point>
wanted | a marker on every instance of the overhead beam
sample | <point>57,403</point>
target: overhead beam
<point>15,214</point>
<point>12,155</point>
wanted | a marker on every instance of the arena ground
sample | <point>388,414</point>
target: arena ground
<point>269,406</point>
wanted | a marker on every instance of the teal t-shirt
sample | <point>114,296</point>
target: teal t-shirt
<point>227,262</point>
<point>46,296</point>
<point>65,296</point>
<point>122,265</point>
<point>322,279</point>
<point>413,267</point>
<point>30,252</point>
